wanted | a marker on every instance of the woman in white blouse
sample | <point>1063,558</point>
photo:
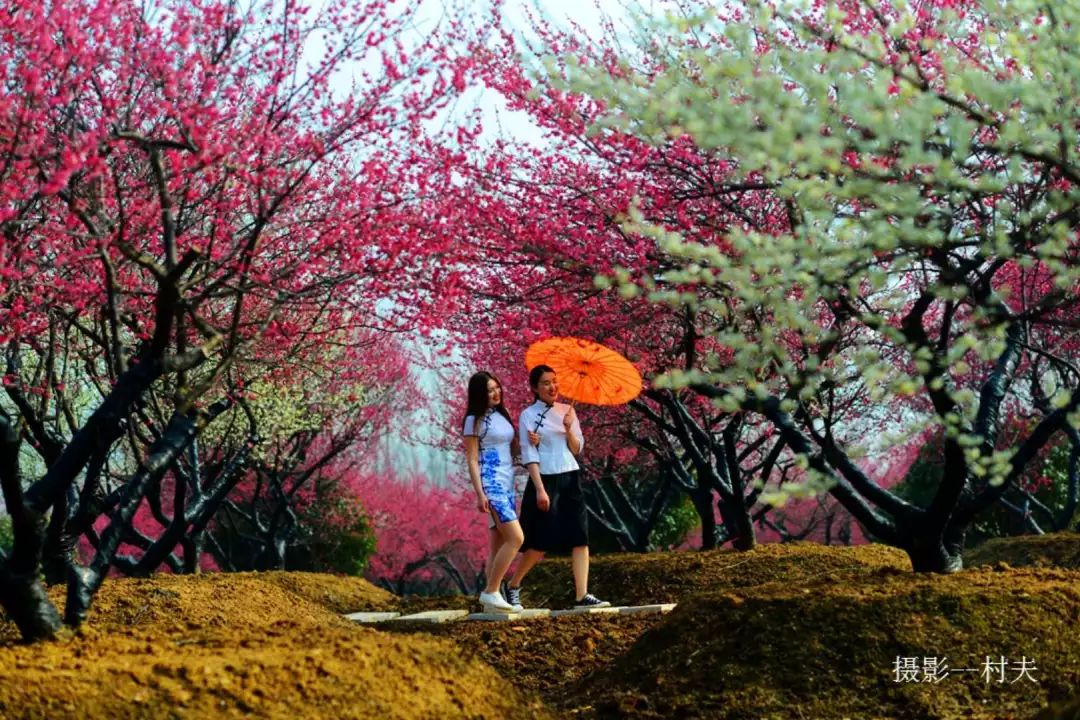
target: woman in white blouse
<point>490,445</point>
<point>553,514</point>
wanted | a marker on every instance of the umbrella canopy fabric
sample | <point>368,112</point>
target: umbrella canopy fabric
<point>587,371</point>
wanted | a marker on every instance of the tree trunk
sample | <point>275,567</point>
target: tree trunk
<point>739,524</point>
<point>27,604</point>
<point>58,552</point>
<point>22,595</point>
<point>193,550</point>
<point>930,553</point>
<point>702,499</point>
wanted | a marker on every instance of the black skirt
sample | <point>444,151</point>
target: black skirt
<point>565,525</point>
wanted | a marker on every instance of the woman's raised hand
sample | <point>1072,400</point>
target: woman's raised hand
<point>568,418</point>
<point>534,438</point>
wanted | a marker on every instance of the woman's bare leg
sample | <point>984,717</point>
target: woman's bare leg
<point>529,560</point>
<point>579,560</point>
<point>511,537</point>
<point>494,542</point>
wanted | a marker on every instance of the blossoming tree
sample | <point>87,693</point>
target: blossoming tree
<point>190,199</point>
<point>547,220</point>
<point>926,156</point>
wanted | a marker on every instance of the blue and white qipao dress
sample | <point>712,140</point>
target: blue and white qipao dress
<point>496,462</point>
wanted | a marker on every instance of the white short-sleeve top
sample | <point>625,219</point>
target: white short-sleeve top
<point>495,434</point>
<point>553,454</point>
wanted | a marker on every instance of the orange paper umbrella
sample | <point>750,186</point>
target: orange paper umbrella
<point>587,371</point>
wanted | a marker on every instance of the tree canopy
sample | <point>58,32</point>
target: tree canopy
<point>926,160</point>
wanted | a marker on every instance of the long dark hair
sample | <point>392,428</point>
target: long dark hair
<point>534,378</point>
<point>478,398</point>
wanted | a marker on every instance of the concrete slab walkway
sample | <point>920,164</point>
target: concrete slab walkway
<point>440,616</point>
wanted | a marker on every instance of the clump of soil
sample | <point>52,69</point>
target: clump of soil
<point>666,577</point>
<point>784,631</point>
<point>828,648</point>
<point>232,599</point>
<point>420,603</point>
<point>553,655</point>
<point>1065,710</point>
<point>546,655</point>
<point>636,579</point>
<point>231,645</point>
<point>336,593</point>
<point>1060,550</point>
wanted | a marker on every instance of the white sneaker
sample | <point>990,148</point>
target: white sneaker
<point>493,602</point>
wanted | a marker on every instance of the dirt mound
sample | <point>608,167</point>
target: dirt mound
<point>1065,710</point>
<point>635,579</point>
<point>547,654</point>
<point>784,631</point>
<point>231,645</point>
<point>829,648</point>
<point>336,593</point>
<point>217,600</point>
<point>420,603</point>
<point>1053,550</point>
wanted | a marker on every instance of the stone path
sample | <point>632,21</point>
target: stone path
<point>440,616</point>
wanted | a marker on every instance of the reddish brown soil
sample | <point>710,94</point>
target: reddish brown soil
<point>635,579</point>
<point>1060,550</point>
<point>794,631</point>
<point>544,656</point>
<point>267,644</point>
<point>827,649</point>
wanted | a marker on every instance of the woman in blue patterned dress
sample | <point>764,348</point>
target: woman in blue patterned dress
<point>490,447</point>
